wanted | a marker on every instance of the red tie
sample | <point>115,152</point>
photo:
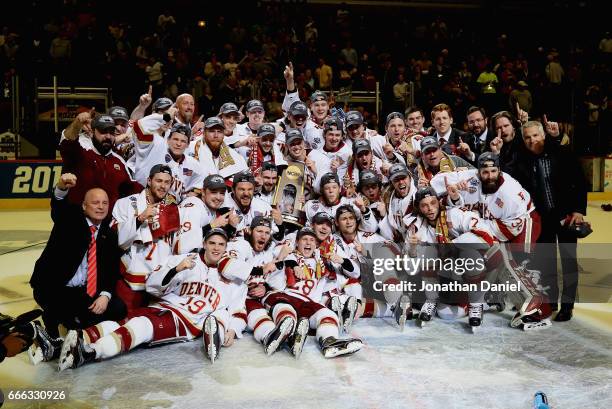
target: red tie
<point>92,267</point>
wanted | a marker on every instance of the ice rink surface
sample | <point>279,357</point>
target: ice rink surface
<point>440,366</point>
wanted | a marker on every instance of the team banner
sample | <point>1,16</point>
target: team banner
<point>28,179</point>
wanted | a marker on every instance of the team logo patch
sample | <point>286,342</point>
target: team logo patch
<point>117,167</point>
<point>168,158</point>
<point>317,141</point>
<point>499,203</point>
<point>315,206</point>
<point>187,172</point>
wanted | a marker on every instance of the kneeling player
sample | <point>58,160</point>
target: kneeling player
<point>190,297</point>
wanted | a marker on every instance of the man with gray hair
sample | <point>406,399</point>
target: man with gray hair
<point>554,178</point>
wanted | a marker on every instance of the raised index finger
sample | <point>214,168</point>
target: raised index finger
<point>150,90</point>
<point>544,120</point>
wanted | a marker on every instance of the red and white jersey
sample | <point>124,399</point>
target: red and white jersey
<point>258,208</point>
<point>142,252</point>
<point>367,221</point>
<point>323,160</point>
<point>310,288</point>
<point>242,250</point>
<point>266,197</point>
<point>192,294</point>
<point>505,211</point>
<point>459,221</point>
<point>194,215</point>
<point>398,209</point>
<point>151,148</point>
<point>228,163</point>
<point>376,167</point>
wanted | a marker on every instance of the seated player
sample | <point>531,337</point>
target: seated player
<point>191,301</point>
<point>299,290</point>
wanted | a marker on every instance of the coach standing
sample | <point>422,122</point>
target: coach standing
<point>75,276</point>
<point>554,179</point>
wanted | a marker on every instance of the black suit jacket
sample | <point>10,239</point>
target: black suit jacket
<point>67,245</point>
<point>454,139</point>
<point>568,181</point>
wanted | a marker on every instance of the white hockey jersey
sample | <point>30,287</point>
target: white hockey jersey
<point>194,215</point>
<point>142,253</point>
<point>367,221</point>
<point>151,149</point>
<point>227,164</point>
<point>324,158</point>
<point>505,212</point>
<point>193,294</point>
<point>394,220</point>
<point>258,208</point>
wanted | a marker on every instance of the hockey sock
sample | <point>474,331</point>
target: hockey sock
<point>136,331</point>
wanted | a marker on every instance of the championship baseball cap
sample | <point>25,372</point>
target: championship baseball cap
<point>161,104</point>
<point>103,123</point>
<point>424,192</point>
<point>361,145</point>
<point>394,115</point>
<point>217,231</point>
<point>333,123</point>
<point>305,231</point>
<point>160,168</point>
<point>182,129</point>
<point>214,182</point>
<point>293,134</point>
<point>344,209</point>
<point>298,108</point>
<point>261,221</point>
<point>118,113</point>
<point>367,177</point>
<point>398,170</point>
<point>254,105</point>
<point>318,96</point>
<point>228,108</point>
<point>243,177</point>
<point>354,118</point>
<point>329,177</point>
<point>429,142</point>
<point>214,121</point>
<point>488,159</point>
<point>266,129</point>
<point>322,217</point>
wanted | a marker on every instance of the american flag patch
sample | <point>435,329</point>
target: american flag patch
<point>499,203</point>
<point>187,172</point>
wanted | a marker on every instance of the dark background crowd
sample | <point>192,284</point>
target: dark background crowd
<point>551,57</point>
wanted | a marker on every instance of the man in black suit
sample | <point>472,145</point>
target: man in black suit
<point>452,141</point>
<point>479,132</point>
<point>553,177</point>
<point>74,278</point>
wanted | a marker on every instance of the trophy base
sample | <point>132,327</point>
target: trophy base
<point>298,218</point>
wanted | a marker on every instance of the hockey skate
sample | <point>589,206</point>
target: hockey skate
<point>402,311</point>
<point>475,316</point>
<point>529,322</point>
<point>74,352</point>
<point>278,335</point>
<point>212,338</point>
<point>495,301</point>
<point>348,313</point>
<point>336,306</point>
<point>44,348</point>
<point>428,310</point>
<point>298,338</point>
<point>332,347</point>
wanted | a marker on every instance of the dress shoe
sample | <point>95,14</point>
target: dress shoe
<point>563,315</point>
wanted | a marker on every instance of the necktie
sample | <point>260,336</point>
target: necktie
<point>92,267</point>
<point>442,141</point>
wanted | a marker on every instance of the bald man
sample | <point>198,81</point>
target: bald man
<point>74,278</point>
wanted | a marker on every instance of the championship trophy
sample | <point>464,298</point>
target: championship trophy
<point>289,188</point>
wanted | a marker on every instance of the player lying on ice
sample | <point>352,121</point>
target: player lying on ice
<point>197,295</point>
